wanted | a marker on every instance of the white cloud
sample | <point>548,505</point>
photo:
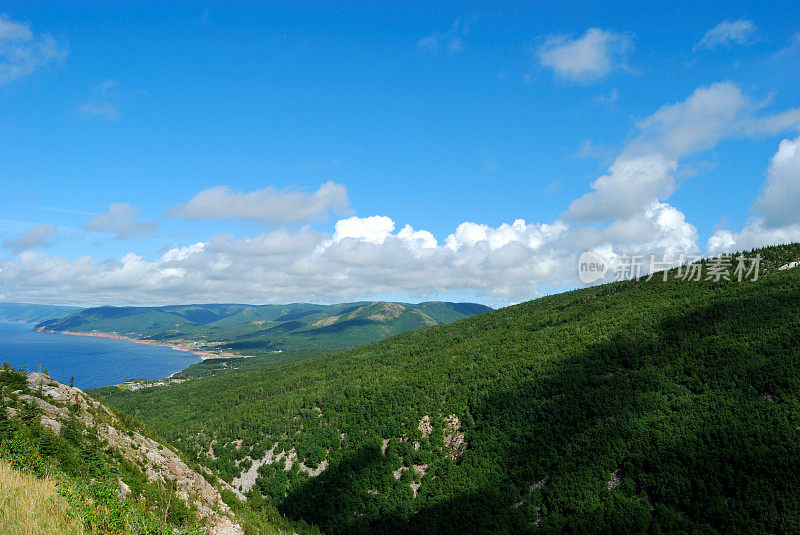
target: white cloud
<point>428,44</point>
<point>374,229</point>
<point>710,114</point>
<point>779,202</point>
<point>754,234</point>
<point>451,40</point>
<point>268,205</point>
<point>103,110</point>
<point>363,258</point>
<point>121,219</point>
<point>776,218</point>
<point>589,57</point>
<point>100,105</point>
<point>489,166</point>
<point>176,254</point>
<point>609,98</point>
<point>624,214</point>
<point>657,229</point>
<point>419,238</point>
<point>631,183</point>
<point>37,236</point>
<point>589,149</point>
<point>455,45</point>
<point>644,171</point>
<point>728,32</point>
<point>22,52</point>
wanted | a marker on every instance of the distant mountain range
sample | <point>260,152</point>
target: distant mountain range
<point>260,329</point>
<point>28,313</point>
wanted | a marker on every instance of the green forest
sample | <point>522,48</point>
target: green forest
<point>643,406</point>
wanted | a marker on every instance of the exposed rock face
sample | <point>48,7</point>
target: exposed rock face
<point>419,472</point>
<point>616,479</point>
<point>247,479</point>
<point>389,311</point>
<point>534,487</point>
<point>159,462</point>
<point>454,437</point>
<point>425,426</point>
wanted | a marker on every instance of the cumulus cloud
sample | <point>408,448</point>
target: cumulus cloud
<point>268,205</point>
<point>779,202</point>
<point>726,33</point>
<point>776,218</point>
<point>710,114</point>
<point>644,170</point>
<point>37,236</point>
<point>362,258</point>
<point>22,52</point>
<point>631,183</point>
<point>374,229</point>
<point>589,57</point>
<point>754,234</point>
<point>122,220</point>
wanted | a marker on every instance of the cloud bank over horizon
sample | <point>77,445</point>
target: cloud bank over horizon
<point>424,160</point>
<point>625,213</point>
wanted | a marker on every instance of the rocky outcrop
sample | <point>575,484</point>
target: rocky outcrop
<point>159,462</point>
<point>425,426</point>
<point>247,479</point>
<point>454,437</point>
<point>419,473</point>
<point>388,312</point>
<point>616,479</point>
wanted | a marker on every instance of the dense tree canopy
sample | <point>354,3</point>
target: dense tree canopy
<point>635,407</point>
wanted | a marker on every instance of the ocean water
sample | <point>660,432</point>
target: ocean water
<point>93,361</point>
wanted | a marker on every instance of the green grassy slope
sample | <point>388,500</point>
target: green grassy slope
<point>86,470</point>
<point>634,407</point>
<point>246,329</point>
<point>68,464</point>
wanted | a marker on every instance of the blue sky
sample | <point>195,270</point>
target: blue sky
<point>165,152</point>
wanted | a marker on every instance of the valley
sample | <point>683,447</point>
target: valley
<point>588,408</point>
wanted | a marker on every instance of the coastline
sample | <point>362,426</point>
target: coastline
<point>205,355</point>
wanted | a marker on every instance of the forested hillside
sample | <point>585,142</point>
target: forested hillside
<point>261,329</point>
<point>634,407</point>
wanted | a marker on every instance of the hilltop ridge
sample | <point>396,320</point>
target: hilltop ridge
<point>227,329</point>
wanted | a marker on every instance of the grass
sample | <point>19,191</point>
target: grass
<point>30,505</point>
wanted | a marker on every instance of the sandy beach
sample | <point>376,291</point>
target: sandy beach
<point>205,355</point>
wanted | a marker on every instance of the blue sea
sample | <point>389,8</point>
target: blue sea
<point>93,361</point>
